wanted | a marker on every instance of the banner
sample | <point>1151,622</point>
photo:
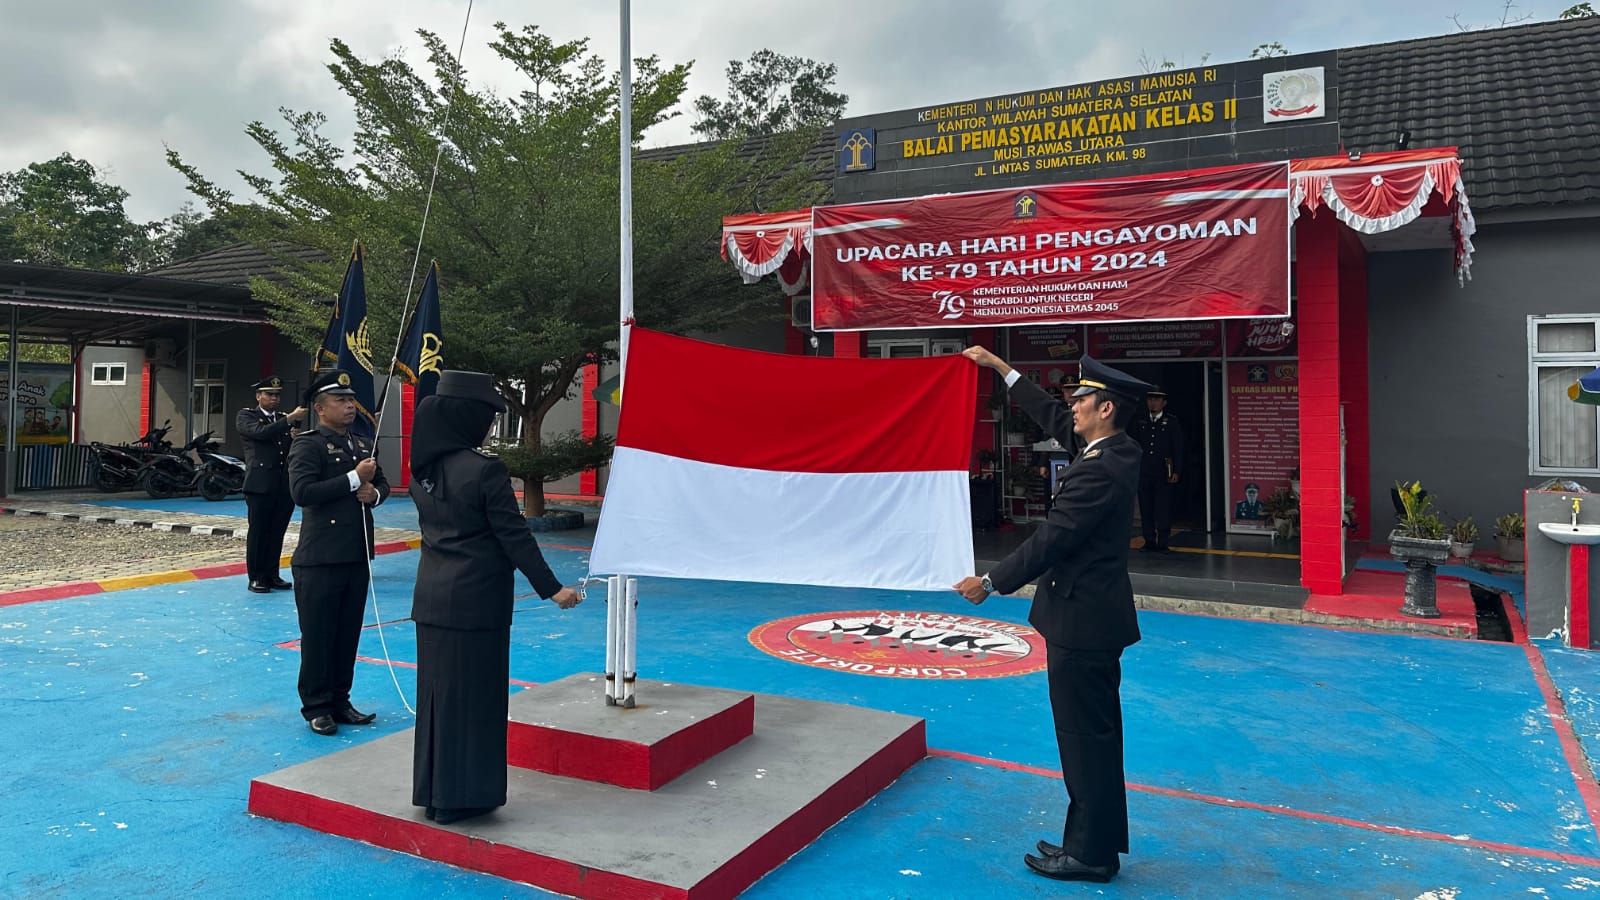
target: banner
<point>44,403</point>
<point>1262,337</point>
<point>1156,340</point>
<point>1198,245</point>
<point>1263,437</point>
<point>1051,342</point>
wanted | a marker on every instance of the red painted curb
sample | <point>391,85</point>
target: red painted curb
<point>53,592</point>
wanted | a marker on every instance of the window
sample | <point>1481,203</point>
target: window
<point>1563,436</point>
<point>108,373</point>
<point>901,348</point>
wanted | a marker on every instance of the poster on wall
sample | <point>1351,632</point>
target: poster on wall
<point>1262,337</point>
<point>1196,339</point>
<point>1051,342</point>
<point>44,403</point>
<point>1263,437</point>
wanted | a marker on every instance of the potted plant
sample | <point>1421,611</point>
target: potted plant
<point>1463,534</point>
<point>1350,513</point>
<point>1281,507</point>
<point>1421,542</point>
<point>1508,533</point>
<point>1294,481</point>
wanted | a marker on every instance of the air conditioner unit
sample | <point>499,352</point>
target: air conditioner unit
<point>800,312</point>
<point>161,352</point>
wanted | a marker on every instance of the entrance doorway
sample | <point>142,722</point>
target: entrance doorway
<point>1186,385</point>
<point>209,405</point>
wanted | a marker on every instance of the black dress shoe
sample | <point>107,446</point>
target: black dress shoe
<point>324,724</point>
<point>352,716</point>
<point>1049,849</point>
<point>447,816</point>
<point>260,587</point>
<point>429,813</point>
<point>278,584</point>
<point>1066,868</point>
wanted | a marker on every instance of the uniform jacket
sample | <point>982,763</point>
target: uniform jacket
<point>266,444</point>
<point>1161,441</point>
<point>331,530</point>
<point>473,539</point>
<point>1079,554</point>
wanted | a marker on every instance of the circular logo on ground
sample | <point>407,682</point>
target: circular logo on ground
<point>904,644</point>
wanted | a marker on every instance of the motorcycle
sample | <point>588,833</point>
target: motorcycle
<point>195,465</point>
<point>117,467</point>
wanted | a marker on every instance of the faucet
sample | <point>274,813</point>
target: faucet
<point>1575,502</point>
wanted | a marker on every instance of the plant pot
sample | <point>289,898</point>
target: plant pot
<point>1509,548</point>
<point>1422,557</point>
<point>1294,487</point>
<point>1460,550</point>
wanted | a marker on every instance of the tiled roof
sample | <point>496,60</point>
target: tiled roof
<point>1519,102</point>
<point>235,264</point>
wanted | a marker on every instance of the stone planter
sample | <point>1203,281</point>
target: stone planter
<point>1509,548</point>
<point>1460,550</point>
<point>1422,559</point>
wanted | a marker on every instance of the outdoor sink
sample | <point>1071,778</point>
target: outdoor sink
<point>1571,534</point>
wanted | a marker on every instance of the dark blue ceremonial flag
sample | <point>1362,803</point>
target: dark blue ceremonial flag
<point>422,352</point>
<point>348,344</point>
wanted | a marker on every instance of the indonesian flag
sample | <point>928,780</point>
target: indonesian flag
<point>738,465</point>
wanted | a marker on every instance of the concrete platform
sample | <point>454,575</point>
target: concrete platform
<point>709,834</point>
<point>565,728</point>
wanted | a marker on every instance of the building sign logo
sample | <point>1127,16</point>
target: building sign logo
<point>1291,95</point>
<point>856,150</point>
<point>892,644</point>
<point>1257,374</point>
<point>1026,207</point>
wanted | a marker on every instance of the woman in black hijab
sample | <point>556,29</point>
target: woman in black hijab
<point>473,537</point>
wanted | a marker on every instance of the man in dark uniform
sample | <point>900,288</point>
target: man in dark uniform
<point>335,481</point>
<point>1083,606</point>
<point>474,541</point>
<point>266,483</point>
<point>1250,507</point>
<point>1161,437</point>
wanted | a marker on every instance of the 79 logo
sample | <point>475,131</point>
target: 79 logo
<point>951,304</point>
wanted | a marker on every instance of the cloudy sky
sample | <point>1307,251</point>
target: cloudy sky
<point>114,82</point>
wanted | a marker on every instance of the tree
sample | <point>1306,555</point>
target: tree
<point>1268,51</point>
<point>524,216</point>
<point>770,94</point>
<point>1582,10</point>
<point>1149,64</point>
<point>1506,18</point>
<point>61,213</point>
<point>190,232</point>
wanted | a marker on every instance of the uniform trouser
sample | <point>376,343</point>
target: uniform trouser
<point>1155,508</point>
<point>330,600</point>
<point>1086,701</point>
<point>263,548</point>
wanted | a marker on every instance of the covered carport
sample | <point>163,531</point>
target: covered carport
<point>79,308</point>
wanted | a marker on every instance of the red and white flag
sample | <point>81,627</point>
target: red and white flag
<point>738,465</point>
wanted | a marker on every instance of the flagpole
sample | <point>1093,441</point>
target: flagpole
<point>621,605</point>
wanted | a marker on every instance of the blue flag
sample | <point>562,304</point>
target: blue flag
<point>348,345</point>
<point>422,352</point>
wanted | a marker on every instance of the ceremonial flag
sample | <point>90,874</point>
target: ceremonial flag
<point>844,472</point>
<point>347,344</point>
<point>422,351</point>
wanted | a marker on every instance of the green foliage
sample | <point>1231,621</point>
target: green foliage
<point>1510,525</point>
<point>553,459</point>
<point>61,213</point>
<point>770,94</point>
<point>524,215</point>
<point>1464,531</point>
<point>1579,11</point>
<point>1280,504</point>
<point>1418,520</point>
<point>61,397</point>
<point>1269,50</point>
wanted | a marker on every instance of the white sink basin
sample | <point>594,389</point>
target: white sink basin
<point>1571,534</point>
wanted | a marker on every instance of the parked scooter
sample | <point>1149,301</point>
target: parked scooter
<point>117,467</point>
<point>191,467</point>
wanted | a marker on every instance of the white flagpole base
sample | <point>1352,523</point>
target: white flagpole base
<point>630,633</point>
<point>614,593</point>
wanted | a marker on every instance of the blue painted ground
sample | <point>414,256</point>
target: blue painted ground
<point>134,721</point>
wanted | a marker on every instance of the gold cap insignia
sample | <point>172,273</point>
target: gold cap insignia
<point>344,379</point>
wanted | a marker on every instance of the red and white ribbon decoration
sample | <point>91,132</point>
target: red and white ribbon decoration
<point>762,243</point>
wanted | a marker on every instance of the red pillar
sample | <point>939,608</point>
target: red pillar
<point>1353,378</point>
<point>1578,596</point>
<point>147,399</point>
<point>589,482</point>
<point>850,344</point>
<point>1321,513</point>
<point>408,410</point>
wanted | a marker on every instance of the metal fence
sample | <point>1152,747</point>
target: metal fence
<point>51,466</point>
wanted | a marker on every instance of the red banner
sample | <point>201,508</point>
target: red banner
<point>1198,245</point>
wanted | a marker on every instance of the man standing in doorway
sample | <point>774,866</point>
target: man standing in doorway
<point>1083,606</point>
<point>266,434</point>
<point>1161,437</point>
<point>335,480</point>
